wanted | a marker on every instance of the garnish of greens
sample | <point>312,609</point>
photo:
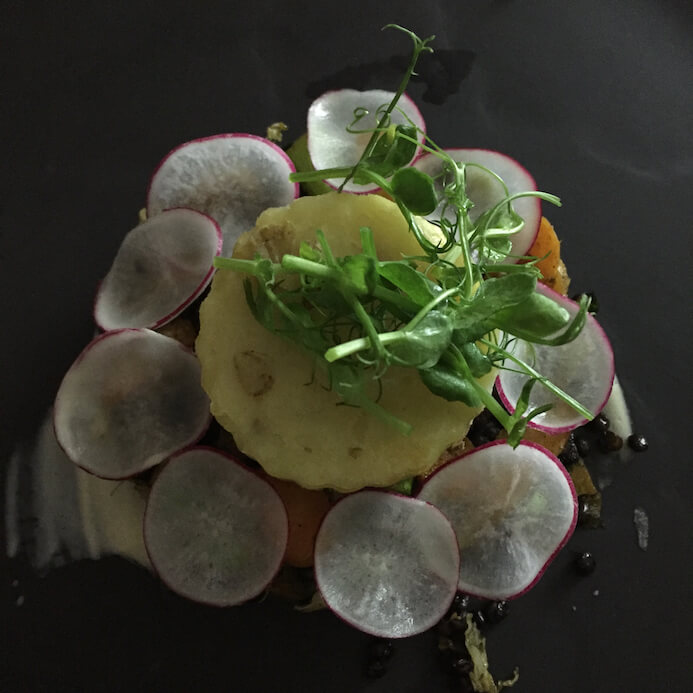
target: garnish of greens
<point>453,322</point>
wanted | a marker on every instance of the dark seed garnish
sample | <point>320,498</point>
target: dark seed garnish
<point>584,563</point>
<point>610,442</point>
<point>569,454</point>
<point>484,428</point>
<point>599,423</point>
<point>495,612</point>
<point>637,442</point>
<point>460,605</point>
<point>589,510</point>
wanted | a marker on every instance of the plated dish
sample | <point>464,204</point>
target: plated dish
<point>349,342</point>
<point>583,284</point>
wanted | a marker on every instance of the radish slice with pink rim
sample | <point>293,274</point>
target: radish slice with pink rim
<point>583,368</point>
<point>387,564</point>
<point>215,531</point>
<point>330,145</point>
<point>512,511</point>
<point>162,266</point>
<point>131,399</point>
<point>484,190</point>
<point>231,177</point>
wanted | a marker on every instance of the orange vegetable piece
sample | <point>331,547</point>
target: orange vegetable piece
<point>305,509</point>
<point>552,267</point>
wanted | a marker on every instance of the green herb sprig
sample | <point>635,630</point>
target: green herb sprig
<point>453,323</point>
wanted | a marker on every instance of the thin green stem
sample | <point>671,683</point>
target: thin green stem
<point>326,250</point>
<point>238,265</point>
<point>529,370</point>
<point>463,223</point>
<point>368,243</point>
<point>443,296</point>
<point>453,355</point>
<point>300,265</point>
<point>354,346</point>
<point>295,264</point>
<point>419,47</point>
<point>368,325</point>
<point>322,174</point>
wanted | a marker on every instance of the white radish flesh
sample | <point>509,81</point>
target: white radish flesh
<point>512,510</point>
<point>583,368</point>
<point>485,191</point>
<point>215,532</point>
<point>330,145</point>
<point>230,177</point>
<point>131,399</point>
<point>386,564</point>
<point>162,266</point>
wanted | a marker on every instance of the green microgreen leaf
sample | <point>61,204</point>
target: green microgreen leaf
<point>361,272</point>
<point>348,383</point>
<point>449,384</point>
<point>476,318</point>
<point>423,345</point>
<point>308,252</point>
<point>409,280</point>
<point>391,152</point>
<point>452,313</point>
<point>536,317</point>
<point>415,189</point>
<point>405,486</point>
<point>479,363</point>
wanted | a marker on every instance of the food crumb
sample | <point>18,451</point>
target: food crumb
<point>275,131</point>
<point>595,593</point>
<point>642,527</point>
<point>573,608</point>
<point>20,600</point>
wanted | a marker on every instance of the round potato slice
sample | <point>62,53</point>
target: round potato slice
<point>270,395</point>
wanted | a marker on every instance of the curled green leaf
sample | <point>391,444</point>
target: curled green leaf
<point>449,384</point>
<point>415,189</point>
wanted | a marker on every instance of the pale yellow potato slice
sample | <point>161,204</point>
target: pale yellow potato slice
<point>268,393</point>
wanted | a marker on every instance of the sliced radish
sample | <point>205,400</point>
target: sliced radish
<point>231,177</point>
<point>484,190</point>
<point>131,399</point>
<point>215,532</point>
<point>329,116</point>
<point>387,564</point>
<point>162,266</point>
<point>512,510</point>
<point>584,368</point>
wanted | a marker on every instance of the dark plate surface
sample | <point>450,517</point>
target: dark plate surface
<point>593,98</point>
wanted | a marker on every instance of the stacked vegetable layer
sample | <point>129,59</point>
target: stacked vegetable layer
<point>349,342</point>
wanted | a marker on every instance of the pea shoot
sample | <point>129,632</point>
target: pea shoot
<point>452,313</point>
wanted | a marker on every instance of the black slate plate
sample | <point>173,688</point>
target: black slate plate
<point>594,98</point>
